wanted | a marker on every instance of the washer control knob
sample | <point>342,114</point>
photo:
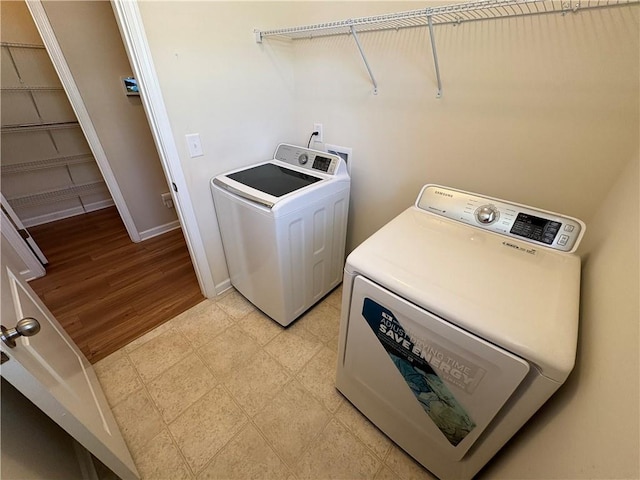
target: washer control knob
<point>487,214</point>
<point>303,159</point>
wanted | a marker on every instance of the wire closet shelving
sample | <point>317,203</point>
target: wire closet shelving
<point>66,192</point>
<point>440,15</point>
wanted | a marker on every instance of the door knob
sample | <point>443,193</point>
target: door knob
<point>24,328</point>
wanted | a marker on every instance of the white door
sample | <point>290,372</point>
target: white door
<point>22,230</point>
<point>50,370</point>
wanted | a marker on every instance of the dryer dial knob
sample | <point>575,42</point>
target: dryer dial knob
<point>303,159</point>
<point>487,214</point>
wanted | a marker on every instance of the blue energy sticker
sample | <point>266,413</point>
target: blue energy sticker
<point>429,389</point>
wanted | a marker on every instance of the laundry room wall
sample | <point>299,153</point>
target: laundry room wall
<point>90,40</point>
<point>217,82</point>
<point>590,429</point>
<point>541,110</point>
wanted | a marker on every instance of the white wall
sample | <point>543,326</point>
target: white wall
<point>590,428</point>
<point>539,110</point>
<point>216,81</point>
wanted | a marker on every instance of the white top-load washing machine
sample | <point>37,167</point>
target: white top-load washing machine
<point>283,224</point>
<point>459,320</point>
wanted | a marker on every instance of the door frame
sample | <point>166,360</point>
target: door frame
<point>135,42</point>
<point>132,31</point>
<point>75,99</point>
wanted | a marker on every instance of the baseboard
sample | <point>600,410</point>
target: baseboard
<point>28,275</point>
<point>159,230</point>
<point>69,212</point>
<point>92,207</point>
<point>52,217</point>
<point>223,286</point>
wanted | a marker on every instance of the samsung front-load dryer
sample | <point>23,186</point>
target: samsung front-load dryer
<point>459,320</point>
<point>283,224</point>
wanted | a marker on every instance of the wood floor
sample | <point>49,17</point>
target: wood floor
<point>106,290</point>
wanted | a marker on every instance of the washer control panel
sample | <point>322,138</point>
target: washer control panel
<point>307,158</point>
<point>532,225</point>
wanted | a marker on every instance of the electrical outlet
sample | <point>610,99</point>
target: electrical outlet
<point>317,127</point>
<point>194,145</point>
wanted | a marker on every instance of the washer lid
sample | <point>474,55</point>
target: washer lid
<point>273,179</point>
<point>293,171</point>
<point>258,183</point>
<point>522,299</point>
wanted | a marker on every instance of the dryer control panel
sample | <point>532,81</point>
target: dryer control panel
<point>532,225</point>
<point>308,158</point>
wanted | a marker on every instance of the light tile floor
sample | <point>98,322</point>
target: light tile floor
<point>222,391</point>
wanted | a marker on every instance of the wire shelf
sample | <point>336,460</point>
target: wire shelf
<point>21,45</point>
<point>38,126</point>
<point>47,163</point>
<point>31,89</point>
<point>470,11</point>
<point>448,14</point>
<point>44,198</point>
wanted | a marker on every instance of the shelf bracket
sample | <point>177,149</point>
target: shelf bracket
<point>435,57</point>
<point>364,58</point>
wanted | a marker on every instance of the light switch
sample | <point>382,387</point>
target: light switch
<point>194,145</point>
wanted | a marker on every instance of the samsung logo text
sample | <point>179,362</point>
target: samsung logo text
<point>444,194</point>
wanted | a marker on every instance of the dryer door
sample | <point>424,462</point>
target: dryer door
<point>427,380</point>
